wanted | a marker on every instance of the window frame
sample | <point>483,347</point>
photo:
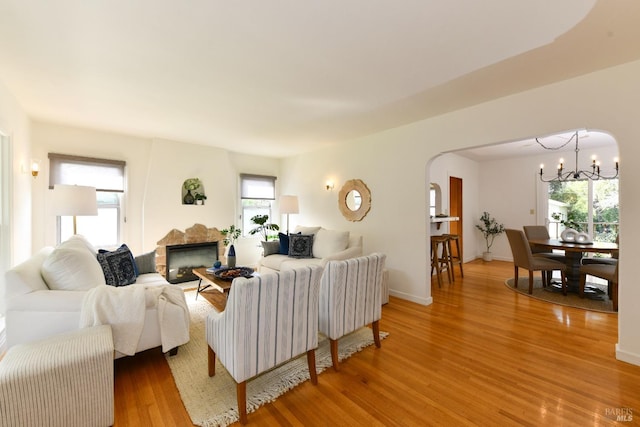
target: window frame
<point>252,198</point>
<point>554,225</point>
<point>58,161</point>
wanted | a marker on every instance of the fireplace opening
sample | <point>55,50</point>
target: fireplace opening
<point>181,259</point>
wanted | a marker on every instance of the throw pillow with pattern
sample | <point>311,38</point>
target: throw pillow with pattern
<point>118,266</point>
<point>301,245</point>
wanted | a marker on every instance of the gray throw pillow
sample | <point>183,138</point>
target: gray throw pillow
<point>270,248</point>
<point>146,263</point>
<point>301,245</point>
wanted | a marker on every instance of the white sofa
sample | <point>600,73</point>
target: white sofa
<point>327,245</point>
<point>44,295</point>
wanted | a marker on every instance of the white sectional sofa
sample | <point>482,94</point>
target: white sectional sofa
<point>44,296</point>
<point>326,245</point>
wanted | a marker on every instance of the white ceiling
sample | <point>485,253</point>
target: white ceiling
<point>279,77</point>
<point>561,144</point>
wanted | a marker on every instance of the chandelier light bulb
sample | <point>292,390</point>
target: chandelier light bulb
<point>576,173</point>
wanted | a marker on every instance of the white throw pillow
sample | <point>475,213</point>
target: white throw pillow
<point>72,268</point>
<point>329,242</point>
<point>306,230</point>
<point>78,239</point>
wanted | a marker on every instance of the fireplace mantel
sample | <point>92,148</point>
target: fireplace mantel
<point>198,233</point>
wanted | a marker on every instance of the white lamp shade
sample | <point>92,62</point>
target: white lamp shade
<point>74,200</point>
<point>289,204</point>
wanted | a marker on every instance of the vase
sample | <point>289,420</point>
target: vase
<point>231,257</point>
<point>487,256</point>
<point>188,198</point>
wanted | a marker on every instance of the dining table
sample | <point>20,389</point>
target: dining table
<point>573,255</point>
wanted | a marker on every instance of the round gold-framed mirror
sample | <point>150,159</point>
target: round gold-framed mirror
<point>354,200</point>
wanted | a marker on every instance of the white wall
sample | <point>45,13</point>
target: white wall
<point>15,124</point>
<point>518,190</point>
<point>48,137</point>
<point>393,164</point>
<point>15,220</point>
<point>156,170</point>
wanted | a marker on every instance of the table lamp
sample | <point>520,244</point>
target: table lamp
<point>74,200</point>
<point>288,205</point>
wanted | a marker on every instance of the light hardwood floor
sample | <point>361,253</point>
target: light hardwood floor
<point>479,355</point>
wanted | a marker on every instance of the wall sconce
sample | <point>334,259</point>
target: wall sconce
<point>329,185</point>
<point>35,167</point>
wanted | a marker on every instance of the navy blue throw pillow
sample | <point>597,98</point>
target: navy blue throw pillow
<point>284,243</point>
<point>118,266</point>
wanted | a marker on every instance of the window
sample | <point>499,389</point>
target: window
<point>589,206</point>
<point>108,177</point>
<point>435,200</point>
<point>257,193</point>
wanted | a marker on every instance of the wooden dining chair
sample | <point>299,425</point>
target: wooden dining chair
<point>523,258</point>
<point>608,272</point>
<point>540,232</point>
<point>601,260</point>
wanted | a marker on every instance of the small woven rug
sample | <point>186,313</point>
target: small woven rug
<point>596,300</point>
<point>211,401</point>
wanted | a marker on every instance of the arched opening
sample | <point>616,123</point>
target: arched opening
<point>503,179</point>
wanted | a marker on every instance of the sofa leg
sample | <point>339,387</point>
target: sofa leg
<point>173,351</point>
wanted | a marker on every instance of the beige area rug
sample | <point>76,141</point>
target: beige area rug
<point>211,401</point>
<point>597,300</point>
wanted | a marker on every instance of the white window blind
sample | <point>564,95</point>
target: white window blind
<point>108,177</point>
<point>258,187</point>
<point>103,174</point>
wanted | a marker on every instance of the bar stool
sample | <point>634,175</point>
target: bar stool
<point>455,259</point>
<point>439,263</point>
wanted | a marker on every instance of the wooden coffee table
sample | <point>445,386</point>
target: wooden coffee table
<point>208,280</point>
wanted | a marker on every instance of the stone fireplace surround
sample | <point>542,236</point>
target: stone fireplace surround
<point>198,233</point>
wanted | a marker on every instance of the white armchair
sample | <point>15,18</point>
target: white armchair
<point>350,298</point>
<point>268,320</point>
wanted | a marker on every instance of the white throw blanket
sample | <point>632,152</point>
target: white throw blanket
<point>174,330</point>
<point>124,309</point>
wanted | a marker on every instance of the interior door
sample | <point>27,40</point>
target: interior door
<point>455,209</point>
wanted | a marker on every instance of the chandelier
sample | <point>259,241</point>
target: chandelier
<point>575,174</point>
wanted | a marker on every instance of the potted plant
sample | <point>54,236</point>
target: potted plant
<point>263,227</point>
<point>230,235</point>
<point>490,230</point>
<point>570,222</point>
<point>200,198</point>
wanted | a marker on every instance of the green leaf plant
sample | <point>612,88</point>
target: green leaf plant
<point>490,229</point>
<point>263,227</point>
